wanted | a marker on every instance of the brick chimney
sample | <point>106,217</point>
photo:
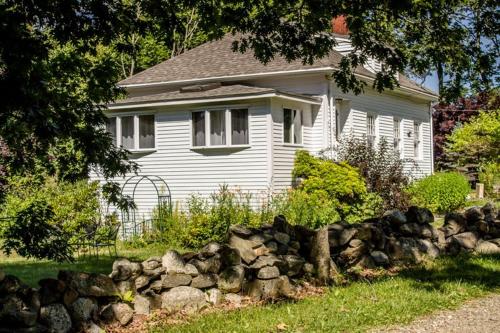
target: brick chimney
<point>339,25</point>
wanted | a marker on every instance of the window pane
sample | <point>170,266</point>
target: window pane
<point>217,128</point>
<point>297,128</point>
<point>147,131</point>
<point>111,128</point>
<point>198,128</point>
<point>287,125</point>
<point>397,135</point>
<point>370,130</point>
<point>128,132</point>
<point>239,127</point>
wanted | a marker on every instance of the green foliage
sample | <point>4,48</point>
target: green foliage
<point>490,177</point>
<point>478,140</point>
<point>74,205</point>
<point>338,183</point>
<point>440,192</point>
<point>32,235</point>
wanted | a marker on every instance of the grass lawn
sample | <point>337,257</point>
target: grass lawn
<point>30,271</point>
<point>359,306</point>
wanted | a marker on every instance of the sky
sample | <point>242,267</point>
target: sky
<point>431,82</point>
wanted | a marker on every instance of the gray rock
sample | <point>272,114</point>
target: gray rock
<point>428,248</point>
<point>121,270</point>
<point>156,286</point>
<point>82,310</point>
<point>183,298</point>
<point>262,250</point>
<point>395,217</point>
<point>380,258</point>
<point>231,279</point>
<point>473,215</point>
<point>209,265</point>
<point>294,264</point>
<point>151,265</point>
<point>268,272</point>
<point>282,238</point>
<point>229,256</point>
<point>191,270</point>
<point>214,296</point>
<point>123,313</point>
<point>233,299</point>
<point>142,281</point>
<point>454,223</point>
<point>175,280</point>
<point>245,247</point>
<point>295,245</point>
<point>142,305</point>
<point>89,284</point>
<point>467,240</point>
<point>154,273</point>
<point>15,312</point>
<point>240,231</point>
<point>56,317</point>
<point>172,262</point>
<point>354,252</point>
<point>419,215</point>
<point>125,286</point>
<point>272,246</point>
<point>404,249</point>
<point>485,247</point>
<point>204,281</point>
<point>346,235</point>
<point>211,249</point>
<point>91,327</point>
<point>270,289</point>
<point>267,260</point>
<point>261,238</point>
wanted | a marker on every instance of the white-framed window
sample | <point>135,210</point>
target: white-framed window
<point>417,140</point>
<point>220,127</point>
<point>371,129</point>
<point>132,132</point>
<point>398,141</point>
<point>292,126</point>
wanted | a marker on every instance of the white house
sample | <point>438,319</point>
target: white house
<point>212,116</point>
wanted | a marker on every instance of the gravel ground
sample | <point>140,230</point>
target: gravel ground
<point>478,316</point>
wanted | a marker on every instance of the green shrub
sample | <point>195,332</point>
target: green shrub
<point>490,177</point>
<point>75,205</point>
<point>336,184</point>
<point>440,192</point>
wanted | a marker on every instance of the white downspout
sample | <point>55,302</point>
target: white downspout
<point>331,110</point>
<point>432,137</point>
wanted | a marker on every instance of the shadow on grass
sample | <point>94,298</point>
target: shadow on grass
<point>482,271</point>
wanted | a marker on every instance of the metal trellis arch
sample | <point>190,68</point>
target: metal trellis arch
<point>130,224</point>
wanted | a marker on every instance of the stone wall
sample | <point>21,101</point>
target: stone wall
<point>260,263</point>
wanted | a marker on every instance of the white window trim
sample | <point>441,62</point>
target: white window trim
<point>136,148</point>
<point>375,128</point>
<point>228,129</point>
<point>401,135</point>
<point>292,129</point>
<point>417,155</point>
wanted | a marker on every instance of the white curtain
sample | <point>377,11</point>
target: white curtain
<point>147,131</point>
<point>217,128</point>
<point>199,128</point>
<point>239,127</point>
<point>128,132</point>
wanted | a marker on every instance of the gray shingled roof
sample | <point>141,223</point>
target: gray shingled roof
<point>216,59</point>
<point>235,90</point>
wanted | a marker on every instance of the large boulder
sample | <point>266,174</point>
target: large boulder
<point>231,279</point>
<point>123,313</point>
<point>89,284</point>
<point>404,249</point>
<point>269,289</point>
<point>245,247</point>
<point>183,298</point>
<point>486,247</point>
<point>173,262</point>
<point>56,317</point>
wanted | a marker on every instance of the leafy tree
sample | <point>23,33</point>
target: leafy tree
<point>478,140</point>
<point>447,116</point>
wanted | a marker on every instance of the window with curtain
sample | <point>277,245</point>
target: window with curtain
<point>127,138</point>
<point>417,140</point>
<point>239,127</point>
<point>292,126</point>
<point>371,132</point>
<point>397,135</point>
<point>199,128</point>
<point>217,128</point>
<point>146,131</point>
<point>111,128</point>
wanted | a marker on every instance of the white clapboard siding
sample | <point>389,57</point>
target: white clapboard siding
<point>196,171</point>
<point>283,153</point>
<point>386,106</point>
